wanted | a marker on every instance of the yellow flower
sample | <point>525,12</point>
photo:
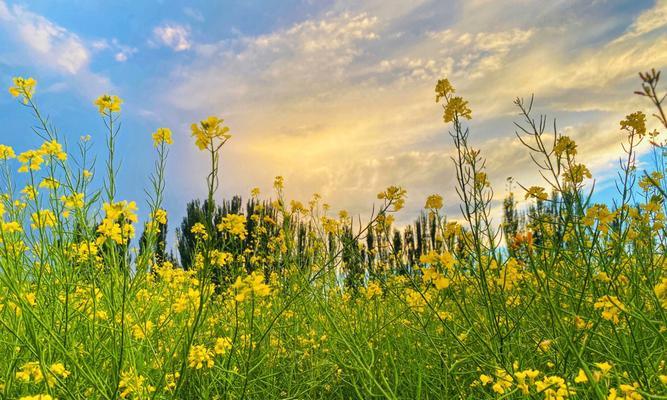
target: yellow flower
<point>208,130</point>
<point>32,160</point>
<point>30,370</point>
<point>278,182</point>
<point>372,290</point>
<point>134,386</point>
<point>329,225</point>
<point>43,219</point>
<point>630,391</point>
<point>581,377</point>
<point>521,377</point>
<point>160,216</point>
<point>200,230</point>
<point>394,195</point>
<point>59,370</point>
<point>107,104</point>
<point>485,379</point>
<point>125,209</point>
<point>416,300</point>
<point>29,192</point>
<point>635,123</point>
<point>6,152</point>
<point>611,308</point>
<point>170,380</point>
<point>431,275</point>
<point>443,89</point>
<point>73,201</point>
<point>221,258</point>
<point>84,251</point>
<point>162,135</point>
<point>600,213</point>
<point>10,227</point>
<point>603,367</point>
<point>553,387</point>
<point>222,345</point>
<point>54,149</point>
<point>200,357</point>
<point>545,345</point>
<point>456,107</point>
<point>252,284</point>
<point>646,183</point>
<point>140,331</point>
<point>24,87</point>
<point>49,183</point>
<point>235,224</point>
<point>536,192</point>
<point>503,381</point>
<point>576,173</point>
<point>565,145</point>
<point>31,298</point>
<point>434,202</point>
<point>108,229</point>
<point>37,397</point>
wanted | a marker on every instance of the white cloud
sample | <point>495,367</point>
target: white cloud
<point>121,52</point>
<point>45,40</point>
<point>177,37</point>
<point>39,44</point>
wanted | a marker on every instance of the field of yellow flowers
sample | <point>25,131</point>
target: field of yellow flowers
<point>571,306</point>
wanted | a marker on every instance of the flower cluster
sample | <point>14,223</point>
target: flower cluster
<point>117,223</point>
<point>24,88</point>
<point>208,130</point>
<point>234,224</point>
<point>108,104</point>
<point>162,136</point>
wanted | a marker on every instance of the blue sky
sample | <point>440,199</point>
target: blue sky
<point>336,96</point>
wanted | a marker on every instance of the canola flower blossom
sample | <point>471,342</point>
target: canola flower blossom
<point>234,224</point>
<point>208,131</point>
<point>108,104</point>
<point>23,88</point>
<point>162,136</point>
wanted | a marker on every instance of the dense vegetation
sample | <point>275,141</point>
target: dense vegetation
<point>280,299</point>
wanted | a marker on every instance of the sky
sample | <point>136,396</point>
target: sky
<point>336,96</point>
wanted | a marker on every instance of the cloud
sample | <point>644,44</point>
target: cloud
<point>342,103</point>
<point>648,21</point>
<point>35,42</point>
<point>121,52</point>
<point>45,40</point>
<point>177,37</point>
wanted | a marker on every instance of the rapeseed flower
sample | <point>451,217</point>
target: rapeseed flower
<point>107,104</point>
<point>200,357</point>
<point>23,87</point>
<point>162,135</point>
<point>234,224</point>
<point>208,130</point>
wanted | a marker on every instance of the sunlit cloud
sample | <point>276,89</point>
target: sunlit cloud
<point>343,104</point>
